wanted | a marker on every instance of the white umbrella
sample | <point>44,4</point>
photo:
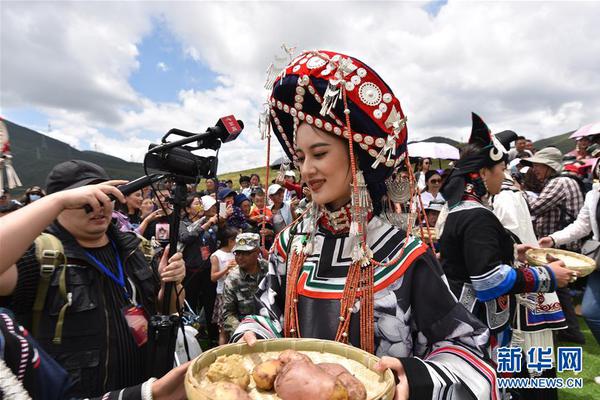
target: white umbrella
<point>433,150</point>
<point>587,130</point>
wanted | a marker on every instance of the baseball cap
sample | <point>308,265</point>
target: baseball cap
<point>207,202</point>
<point>290,173</point>
<point>274,188</point>
<point>226,192</point>
<point>73,174</point>
<point>246,242</point>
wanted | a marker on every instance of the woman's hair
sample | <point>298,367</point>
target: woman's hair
<point>190,199</point>
<point>227,234</point>
<point>123,209</point>
<point>430,173</point>
<point>256,175</point>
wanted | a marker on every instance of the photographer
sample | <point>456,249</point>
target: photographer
<point>88,306</point>
<point>42,377</point>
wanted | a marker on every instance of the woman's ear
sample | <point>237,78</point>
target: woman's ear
<point>484,172</point>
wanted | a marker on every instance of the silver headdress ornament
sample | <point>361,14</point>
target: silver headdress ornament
<point>277,67</point>
<point>264,122</point>
<point>397,123</point>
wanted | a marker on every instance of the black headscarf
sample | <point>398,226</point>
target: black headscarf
<point>492,150</point>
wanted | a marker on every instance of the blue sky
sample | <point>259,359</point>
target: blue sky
<point>165,68</point>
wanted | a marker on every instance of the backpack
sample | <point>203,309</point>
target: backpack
<point>49,252</point>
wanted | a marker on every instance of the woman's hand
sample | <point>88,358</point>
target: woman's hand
<point>249,338</point>
<point>521,249</point>
<point>563,275</point>
<point>402,389</point>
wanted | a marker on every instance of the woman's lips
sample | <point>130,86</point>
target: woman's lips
<point>316,184</point>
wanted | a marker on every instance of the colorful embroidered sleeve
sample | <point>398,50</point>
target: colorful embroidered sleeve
<point>270,295</point>
<point>450,359</point>
<point>490,275</point>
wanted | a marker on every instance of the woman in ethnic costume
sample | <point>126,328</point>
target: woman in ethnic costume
<point>477,252</point>
<point>358,279</point>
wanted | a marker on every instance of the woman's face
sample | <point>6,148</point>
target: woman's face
<point>324,165</point>
<point>254,180</point>
<point>493,177</point>
<point>134,200</point>
<point>147,206</point>
<point>434,183</point>
<point>245,206</point>
<point>195,209</point>
<point>210,185</point>
<point>426,164</point>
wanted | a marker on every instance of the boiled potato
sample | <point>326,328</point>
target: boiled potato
<point>300,380</point>
<point>355,388</point>
<point>264,374</point>
<point>292,355</point>
<point>229,369</point>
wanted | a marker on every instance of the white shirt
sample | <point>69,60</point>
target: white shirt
<point>427,197</point>
<point>224,258</point>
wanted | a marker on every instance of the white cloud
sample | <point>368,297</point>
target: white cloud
<point>162,66</point>
<point>527,66</point>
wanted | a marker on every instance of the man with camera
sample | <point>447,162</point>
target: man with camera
<point>85,290</point>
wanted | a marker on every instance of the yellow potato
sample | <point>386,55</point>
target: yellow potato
<point>264,374</point>
<point>229,369</point>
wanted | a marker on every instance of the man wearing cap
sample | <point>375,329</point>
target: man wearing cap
<point>282,211</point>
<point>555,208</point>
<point>88,305</point>
<point>242,283</point>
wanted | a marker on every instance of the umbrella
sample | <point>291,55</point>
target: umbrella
<point>433,150</point>
<point>587,130</point>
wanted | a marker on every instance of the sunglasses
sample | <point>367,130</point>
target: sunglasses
<point>435,181</point>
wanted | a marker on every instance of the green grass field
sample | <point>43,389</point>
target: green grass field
<point>591,369</point>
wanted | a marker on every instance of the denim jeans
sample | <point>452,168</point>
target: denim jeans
<point>590,306</point>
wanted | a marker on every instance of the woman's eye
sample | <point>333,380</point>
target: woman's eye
<point>320,155</point>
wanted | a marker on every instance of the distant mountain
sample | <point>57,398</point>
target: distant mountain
<point>34,155</point>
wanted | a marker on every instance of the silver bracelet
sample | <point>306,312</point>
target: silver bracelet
<point>147,389</point>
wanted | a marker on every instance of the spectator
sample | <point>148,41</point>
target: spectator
<point>585,224</point>
<point>519,150</point>
<point>235,217</point>
<point>422,168</point>
<point>229,184</point>
<point>432,211</point>
<point>128,215</point>
<point>554,209</point>
<point>433,183</point>
<point>147,207</point>
<point>282,211</point>
<point>529,146</point>
<point>208,245</point>
<point>107,273</point>
<point>581,145</point>
<point>8,208</point>
<point>5,199</point>
<point>292,189</point>
<point>32,194</point>
<point>158,223</point>
<point>211,185</point>
<point>255,181</point>
<point>245,185</point>
<point>221,263</point>
<point>242,283</point>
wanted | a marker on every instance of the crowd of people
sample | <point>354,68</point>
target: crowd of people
<point>328,250</point>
